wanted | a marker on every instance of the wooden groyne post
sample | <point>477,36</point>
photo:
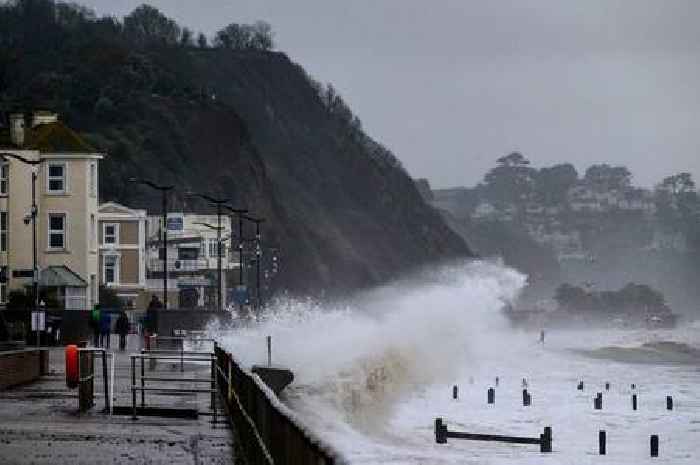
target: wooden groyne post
<point>442,433</point>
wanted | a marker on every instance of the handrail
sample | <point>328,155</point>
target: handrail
<point>270,432</point>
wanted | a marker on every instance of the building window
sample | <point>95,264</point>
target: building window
<point>3,285</point>
<point>92,232</point>
<point>3,231</point>
<point>93,179</point>
<point>4,178</point>
<point>110,233</point>
<point>76,298</point>
<point>110,271</point>
<point>187,253</point>
<point>57,230</point>
<point>57,178</point>
<point>213,247</point>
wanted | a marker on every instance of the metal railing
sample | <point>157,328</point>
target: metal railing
<point>170,355</point>
<point>86,378</point>
<point>267,430</point>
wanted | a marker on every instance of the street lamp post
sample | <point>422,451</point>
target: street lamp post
<point>258,257</point>
<point>164,229</point>
<point>218,203</point>
<point>34,212</point>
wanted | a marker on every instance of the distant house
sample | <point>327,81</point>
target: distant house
<point>192,259</point>
<point>122,252</point>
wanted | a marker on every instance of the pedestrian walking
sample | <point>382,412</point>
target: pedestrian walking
<point>122,328</point>
<point>94,324</point>
<point>105,329</point>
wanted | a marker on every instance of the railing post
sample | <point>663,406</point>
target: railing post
<point>133,387</point>
<point>182,354</point>
<point>105,380</point>
<point>213,387</point>
<point>143,383</point>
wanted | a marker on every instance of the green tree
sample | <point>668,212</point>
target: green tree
<point>553,183</point>
<point>147,25</point>
<point>511,181</point>
<point>236,36</point>
<point>604,177</point>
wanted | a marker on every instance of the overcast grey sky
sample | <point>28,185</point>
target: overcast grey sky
<point>451,85</point>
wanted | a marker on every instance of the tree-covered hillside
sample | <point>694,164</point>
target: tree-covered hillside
<point>232,119</point>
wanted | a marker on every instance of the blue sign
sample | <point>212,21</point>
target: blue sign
<point>240,295</point>
<point>175,223</point>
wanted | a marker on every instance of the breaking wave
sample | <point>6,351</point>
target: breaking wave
<point>361,357</point>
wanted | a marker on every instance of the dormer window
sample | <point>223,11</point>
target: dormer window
<point>56,178</point>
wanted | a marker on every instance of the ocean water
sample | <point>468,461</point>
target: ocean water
<point>372,375</point>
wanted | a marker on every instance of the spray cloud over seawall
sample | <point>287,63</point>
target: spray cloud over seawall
<point>367,352</point>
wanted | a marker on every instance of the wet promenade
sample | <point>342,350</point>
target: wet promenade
<point>40,423</point>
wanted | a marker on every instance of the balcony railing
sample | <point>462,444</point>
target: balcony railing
<point>156,264</point>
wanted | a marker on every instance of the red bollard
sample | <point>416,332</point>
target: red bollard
<point>72,375</point>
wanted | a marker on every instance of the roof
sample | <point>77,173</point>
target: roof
<point>53,137</point>
<point>114,209</point>
<point>60,276</point>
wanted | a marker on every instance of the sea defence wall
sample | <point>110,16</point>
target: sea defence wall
<point>170,320</point>
<point>268,431</point>
<point>22,366</point>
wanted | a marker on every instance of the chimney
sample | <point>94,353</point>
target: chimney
<point>43,117</point>
<point>17,129</point>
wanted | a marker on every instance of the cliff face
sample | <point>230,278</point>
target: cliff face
<point>344,219</point>
<point>248,126</point>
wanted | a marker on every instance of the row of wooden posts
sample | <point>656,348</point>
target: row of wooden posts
<point>527,397</point>
<point>545,439</point>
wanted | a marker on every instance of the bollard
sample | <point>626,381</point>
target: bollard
<point>654,445</point>
<point>607,386</point>
<point>491,397</point>
<point>454,391</point>
<point>634,401</point>
<point>598,401</point>
<point>546,440</point>
<point>526,398</point>
<point>669,403</point>
<point>580,386</point>
<point>601,442</point>
<point>269,350</point>
<point>524,382</point>
<point>440,431</point>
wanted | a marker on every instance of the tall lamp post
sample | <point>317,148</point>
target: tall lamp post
<point>239,212</point>
<point>258,257</point>
<point>164,229</point>
<point>33,215</point>
<point>218,203</point>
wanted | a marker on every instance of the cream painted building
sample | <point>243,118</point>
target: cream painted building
<point>67,200</point>
<point>122,252</point>
<point>192,259</point>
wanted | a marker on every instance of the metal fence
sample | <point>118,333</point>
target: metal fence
<point>267,431</point>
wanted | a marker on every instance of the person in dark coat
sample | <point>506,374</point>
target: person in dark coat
<point>105,329</point>
<point>122,328</point>
<point>95,324</point>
